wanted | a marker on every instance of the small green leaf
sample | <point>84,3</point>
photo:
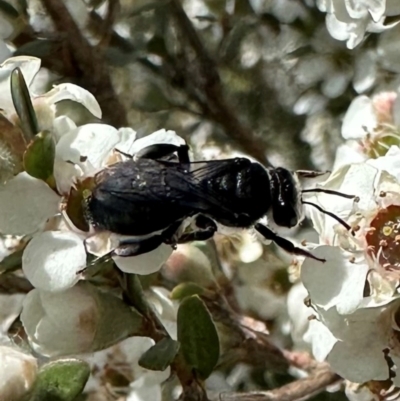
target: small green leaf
<point>160,355</point>
<point>23,105</point>
<point>12,262</point>
<point>37,48</point>
<point>61,380</point>
<point>198,336</point>
<point>39,156</point>
<point>187,289</point>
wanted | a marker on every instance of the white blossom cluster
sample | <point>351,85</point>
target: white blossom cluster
<point>62,315</point>
<point>354,298</point>
<point>349,20</point>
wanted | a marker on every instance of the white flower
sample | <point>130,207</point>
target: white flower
<point>77,320</point>
<point>53,258</point>
<point>349,20</point>
<point>18,372</point>
<point>370,126</point>
<point>45,104</point>
<point>19,214</point>
<point>354,295</point>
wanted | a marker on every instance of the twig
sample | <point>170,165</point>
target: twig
<point>91,65</point>
<point>301,389</point>
<point>206,77</point>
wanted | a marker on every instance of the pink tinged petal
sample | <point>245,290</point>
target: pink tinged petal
<point>52,259</point>
<point>75,93</point>
<point>146,263</point>
<point>360,119</point>
<point>29,67</point>
<point>337,283</point>
<point>26,203</point>
<point>60,323</point>
<point>348,154</point>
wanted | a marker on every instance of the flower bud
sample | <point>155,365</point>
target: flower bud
<point>81,319</point>
<point>18,373</point>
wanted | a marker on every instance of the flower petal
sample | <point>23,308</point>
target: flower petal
<point>21,214</point>
<point>18,373</point>
<point>52,258</point>
<point>60,323</point>
<point>146,263</point>
<point>73,92</point>
<point>158,137</point>
<point>360,119</point>
<point>337,283</point>
<point>320,338</point>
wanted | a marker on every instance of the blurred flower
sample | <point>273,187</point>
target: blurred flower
<point>118,368</point>
<point>350,20</point>
<point>18,372</point>
<point>78,320</point>
<point>370,127</point>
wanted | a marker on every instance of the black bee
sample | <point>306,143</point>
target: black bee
<point>149,197</point>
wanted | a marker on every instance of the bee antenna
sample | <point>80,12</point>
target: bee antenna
<point>337,218</point>
<point>328,191</point>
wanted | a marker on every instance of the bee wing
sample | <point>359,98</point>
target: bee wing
<point>194,185</point>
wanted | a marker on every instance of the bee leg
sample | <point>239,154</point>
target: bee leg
<point>133,247</point>
<point>207,229</point>
<point>162,150</point>
<point>284,243</point>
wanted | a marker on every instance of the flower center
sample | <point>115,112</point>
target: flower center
<point>384,237</point>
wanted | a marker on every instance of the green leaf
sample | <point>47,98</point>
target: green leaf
<point>198,336</point>
<point>61,380</point>
<point>12,262</point>
<point>187,289</point>
<point>160,355</point>
<point>37,48</point>
<point>23,105</point>
<point>39,156</point>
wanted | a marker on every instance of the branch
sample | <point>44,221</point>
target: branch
<point>209,83</point>
<point>90,62</point>
<point>301,389</point>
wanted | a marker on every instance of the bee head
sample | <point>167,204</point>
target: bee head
<point>285,198</point>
